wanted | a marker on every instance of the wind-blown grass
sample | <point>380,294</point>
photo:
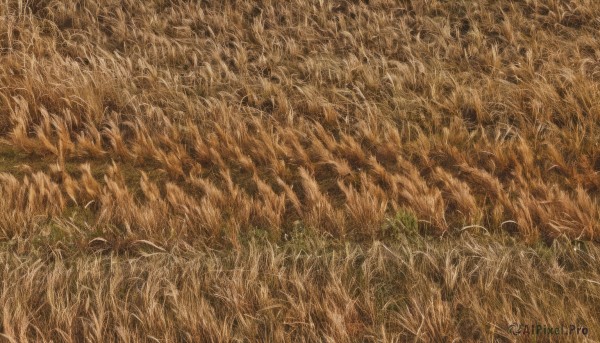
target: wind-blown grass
<point>470,288</point>
<point>182,125</point>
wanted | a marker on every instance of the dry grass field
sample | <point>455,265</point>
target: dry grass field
<point>303,170</point>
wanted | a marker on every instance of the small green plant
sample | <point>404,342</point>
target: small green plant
<point>403,223</point>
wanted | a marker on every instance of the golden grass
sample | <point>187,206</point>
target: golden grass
<point>414,289</point>
<point>182,124</point>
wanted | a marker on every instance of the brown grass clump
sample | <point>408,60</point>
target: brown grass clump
<point>196,124</point>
